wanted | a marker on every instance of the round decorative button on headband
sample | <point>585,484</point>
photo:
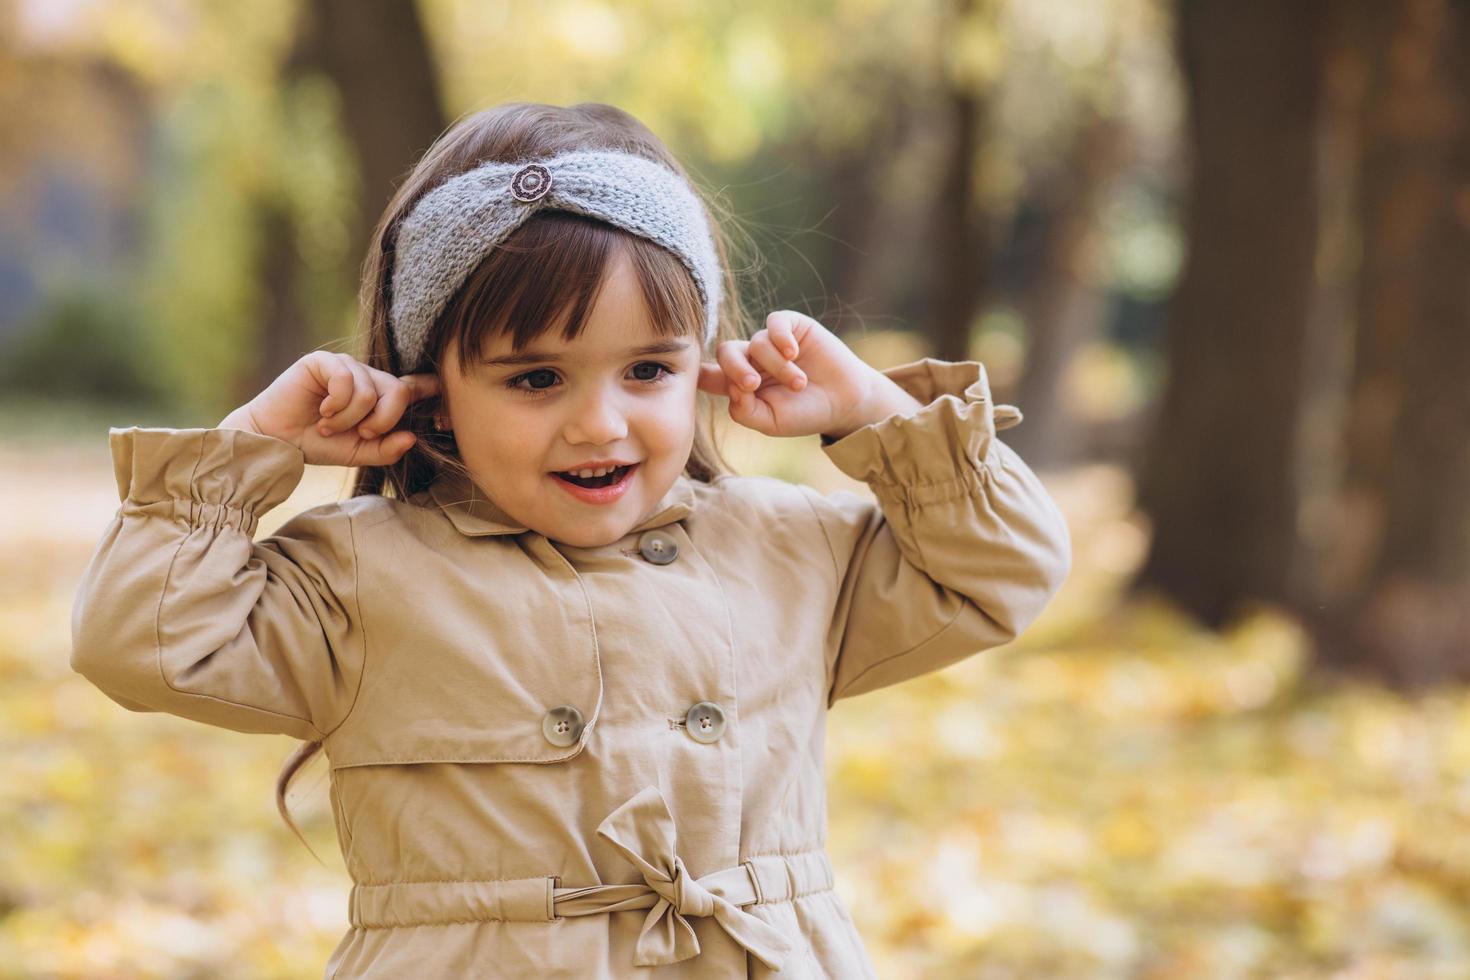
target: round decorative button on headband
<point>531,183</point>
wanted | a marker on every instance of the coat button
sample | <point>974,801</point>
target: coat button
<point>562,725</point>
<point>705,722</point>
<point>659,547</point>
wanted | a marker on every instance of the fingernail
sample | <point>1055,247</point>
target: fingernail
<point>751,380</point>
<point>367,433</point>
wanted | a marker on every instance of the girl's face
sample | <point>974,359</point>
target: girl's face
<point>619,393</point>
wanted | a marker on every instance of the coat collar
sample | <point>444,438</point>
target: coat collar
<point>473,513</point>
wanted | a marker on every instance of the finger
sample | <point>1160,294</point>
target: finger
<point>737,367</point>
<point>393,397</point>
<point>712,379</point>
<point>737,406</point>
<point>334,378</point>
<point>364,396</point>
<point>421,386</point>
<point>386,450</point>
<point>765,356</point>
<point>752,412</point>
<point>783,334</point>
<point>399,443</point>
<point>801,326</point>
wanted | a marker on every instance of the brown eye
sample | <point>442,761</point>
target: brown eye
<point>657,377</point>
<point>543,374</point>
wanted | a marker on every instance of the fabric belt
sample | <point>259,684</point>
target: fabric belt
<point>642,830</point>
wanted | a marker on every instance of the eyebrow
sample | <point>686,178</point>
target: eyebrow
<point>538,357</point>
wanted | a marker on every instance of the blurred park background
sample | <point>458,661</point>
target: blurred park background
<point>1217,251</point>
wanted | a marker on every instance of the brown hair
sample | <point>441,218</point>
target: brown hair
<point>553,262</point>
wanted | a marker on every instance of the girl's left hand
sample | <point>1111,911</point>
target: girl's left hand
<point>793,378</point>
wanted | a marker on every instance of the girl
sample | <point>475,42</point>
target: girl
<point>569,673</point>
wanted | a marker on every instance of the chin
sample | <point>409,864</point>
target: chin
<point>590,537</point>
<point>588,541</point>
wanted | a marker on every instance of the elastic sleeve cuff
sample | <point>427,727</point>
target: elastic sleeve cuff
<point>203,476</point>
<point>935,452</point>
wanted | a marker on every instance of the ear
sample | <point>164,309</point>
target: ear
<point>712,379</point>
<point>442,421</point>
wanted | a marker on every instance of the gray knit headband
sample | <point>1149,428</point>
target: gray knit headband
<point>454,226</point>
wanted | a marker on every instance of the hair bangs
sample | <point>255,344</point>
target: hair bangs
<point>552,265</point>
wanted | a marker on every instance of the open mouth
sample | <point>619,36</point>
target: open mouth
<point>593,482</point>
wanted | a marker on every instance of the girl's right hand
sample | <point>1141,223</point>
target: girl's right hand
<point>336,410</point>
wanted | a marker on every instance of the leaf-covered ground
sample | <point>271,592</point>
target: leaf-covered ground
<point>1117,795</point>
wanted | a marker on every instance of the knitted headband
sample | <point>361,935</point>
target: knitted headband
<point>454,226</point>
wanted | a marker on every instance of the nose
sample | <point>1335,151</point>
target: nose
<point>596,419</point>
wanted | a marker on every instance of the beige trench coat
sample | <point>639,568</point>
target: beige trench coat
<point>549,761</point>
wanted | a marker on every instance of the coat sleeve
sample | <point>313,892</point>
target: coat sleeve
<point>963,547</point>
<point>179,610</point>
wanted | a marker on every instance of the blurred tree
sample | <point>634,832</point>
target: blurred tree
<point>1220,478</point>
<point>378,56</point>
<point>867,217</point>
<point>232,142</point>
<point>1077,115</point>
<point>284,328</point>
<point>85,342</point>
<point>74,130</point>
<point>1396,588</point>
<point>1063,303</point>
<point>959,253</point>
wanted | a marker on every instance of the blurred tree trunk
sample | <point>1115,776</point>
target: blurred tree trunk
<point>1398,596</point>
<point>1219,480</point>
<point>378,55</point>
<point>1062,305</point>
<point>958,249</point>
<point>1334,305</point>
<point>284,324</point>
<point>867,219</point>
<point>285,328</point>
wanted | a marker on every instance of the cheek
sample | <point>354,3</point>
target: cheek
<point>675,419</point>
<point>500,431</point>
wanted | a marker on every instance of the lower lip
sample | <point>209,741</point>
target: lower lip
<point>598,495</point>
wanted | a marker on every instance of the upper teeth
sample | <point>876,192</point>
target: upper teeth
<point>584,474</point>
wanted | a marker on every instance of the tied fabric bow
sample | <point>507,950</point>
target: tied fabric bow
<point>642,829</point>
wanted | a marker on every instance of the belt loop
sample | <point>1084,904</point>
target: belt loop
<point>553,882</point>
<point>755,881</point>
